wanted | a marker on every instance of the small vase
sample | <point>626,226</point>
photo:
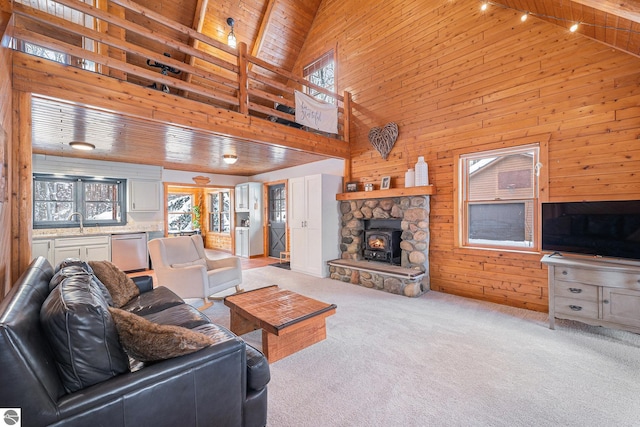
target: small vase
<point>409,178</point>
<point>422,172</point>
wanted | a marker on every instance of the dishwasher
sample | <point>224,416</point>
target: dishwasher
<point>129,251</point>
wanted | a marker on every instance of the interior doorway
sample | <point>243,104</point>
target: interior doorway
<point>277,219</point>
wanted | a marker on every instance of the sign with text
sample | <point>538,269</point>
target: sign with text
<point>316,114</point>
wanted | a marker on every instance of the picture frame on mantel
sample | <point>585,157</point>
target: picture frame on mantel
<point>385,184</point>
<point>352,186</point>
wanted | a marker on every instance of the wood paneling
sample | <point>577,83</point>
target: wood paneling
<point>615,23</point>
<point>456,79</point>
<point>6,270</point>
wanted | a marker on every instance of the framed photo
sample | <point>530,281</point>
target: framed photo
<point>352,186</point>
<point>385,183</point>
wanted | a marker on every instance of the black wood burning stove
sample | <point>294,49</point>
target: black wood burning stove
<point>382,244</point>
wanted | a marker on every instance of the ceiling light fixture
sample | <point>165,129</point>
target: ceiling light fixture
<point>484,6</point>
<point>79,145</point>
<point>574,28</point>
<point>231,38</point>
<point>230,158</point>
<point>524,16</point>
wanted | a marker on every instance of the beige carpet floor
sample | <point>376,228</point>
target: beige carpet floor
<point>442,360</point>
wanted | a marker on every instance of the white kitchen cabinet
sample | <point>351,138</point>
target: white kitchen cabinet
<point>249,201</point>
<point>242,197</point>
<point>597,292</point>
<point>314,222</point>
<point>90,248</point>
<point>42,247</point>
<point>144,196</point>
<point>242,242</point>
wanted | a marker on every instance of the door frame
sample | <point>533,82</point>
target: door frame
<point>265,214</point>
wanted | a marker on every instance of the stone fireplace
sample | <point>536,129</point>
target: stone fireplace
<point>411,277</point>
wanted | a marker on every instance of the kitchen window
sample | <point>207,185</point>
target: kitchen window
<point>498,198</point>
<point>220,212</point>
<point>62,201</point>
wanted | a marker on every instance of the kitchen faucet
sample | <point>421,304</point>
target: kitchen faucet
<point>81,219</point>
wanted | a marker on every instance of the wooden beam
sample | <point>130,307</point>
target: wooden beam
<point>243,80</point>
<point>22,201</point>
<point>624,9</point>
<point>264,24</point>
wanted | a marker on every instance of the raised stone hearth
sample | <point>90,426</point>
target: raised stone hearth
<point>413,211</point>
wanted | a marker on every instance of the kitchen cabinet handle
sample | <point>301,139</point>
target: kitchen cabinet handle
<point>606,301</point>
<point>575,290</point>
<point>575,307</point>
<point>564,272</point>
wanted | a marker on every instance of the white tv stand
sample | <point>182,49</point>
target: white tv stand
<point>596,291</point>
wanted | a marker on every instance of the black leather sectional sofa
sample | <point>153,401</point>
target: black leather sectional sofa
<point>223,384</point>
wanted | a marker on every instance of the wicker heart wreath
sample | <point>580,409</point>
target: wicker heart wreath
<point>383,139</point>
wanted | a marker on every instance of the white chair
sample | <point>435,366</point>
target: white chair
<point>181,265</point>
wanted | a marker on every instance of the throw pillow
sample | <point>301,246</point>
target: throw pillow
<point>147,341</point>
<point>82,334</point>
<point>121,287</point>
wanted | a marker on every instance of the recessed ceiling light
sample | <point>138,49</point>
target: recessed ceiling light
<point>79,145</point>
<point>230,158</point>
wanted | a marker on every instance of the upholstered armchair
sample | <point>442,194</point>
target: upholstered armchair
<point>181,265</point>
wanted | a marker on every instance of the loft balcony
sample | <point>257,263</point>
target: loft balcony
<point>146,89</point>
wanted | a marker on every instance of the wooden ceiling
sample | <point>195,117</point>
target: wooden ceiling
<point>615,23</point>
<point>275,31</point>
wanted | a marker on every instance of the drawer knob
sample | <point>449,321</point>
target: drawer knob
<point>575,307</point>
<point>564,272</point>
<point>606,301</point>
<point>575,290</point>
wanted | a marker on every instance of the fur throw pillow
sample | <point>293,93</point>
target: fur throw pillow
<point>147,341</point>
<point>121,287</point>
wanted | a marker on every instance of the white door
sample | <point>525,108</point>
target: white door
<point>297,217</point>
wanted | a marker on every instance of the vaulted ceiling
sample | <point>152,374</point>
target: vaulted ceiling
<point>275,31</point>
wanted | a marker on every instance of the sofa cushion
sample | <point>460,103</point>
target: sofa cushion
<point>82,334</point>
<point>121,287</point>
<point>153,301</point>
<point>258,373</point>
<point>74,270</point>
<point>67,262</point>
<point>147,341</point>
<point>180,315</point>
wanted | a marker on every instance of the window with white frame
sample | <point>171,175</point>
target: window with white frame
<point>57,201</point>
<point>321,72</point>
<point>220,211</point>
<point>499,198</point>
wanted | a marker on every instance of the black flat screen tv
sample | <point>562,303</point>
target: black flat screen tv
<point>604,229</point>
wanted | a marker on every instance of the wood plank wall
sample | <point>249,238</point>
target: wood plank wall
<point>5,132</point>
<point>455,79</point>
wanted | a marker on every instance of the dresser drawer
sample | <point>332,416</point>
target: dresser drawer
<point>576,307</point>
<point>616,279</point>
<point>576,290</point>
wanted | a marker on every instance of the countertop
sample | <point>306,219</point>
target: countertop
<point>54,233</point>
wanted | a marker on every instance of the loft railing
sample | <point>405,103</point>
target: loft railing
<point>211,72</point>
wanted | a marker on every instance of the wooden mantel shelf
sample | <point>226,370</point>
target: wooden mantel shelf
<point>425,190</point>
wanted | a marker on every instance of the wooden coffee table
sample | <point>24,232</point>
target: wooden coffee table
<point>289,321</point>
